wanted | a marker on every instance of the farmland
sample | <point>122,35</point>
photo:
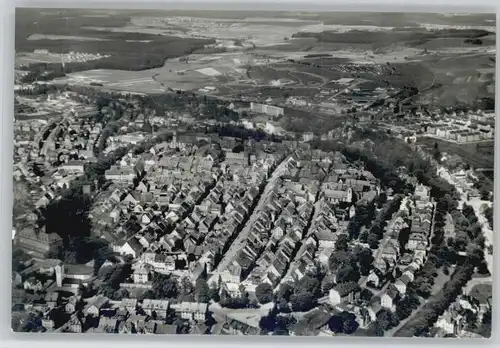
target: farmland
<point>256,56</point>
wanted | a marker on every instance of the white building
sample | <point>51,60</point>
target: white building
<point>270,110</point>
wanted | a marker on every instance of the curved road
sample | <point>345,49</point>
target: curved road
<point>239,242</point>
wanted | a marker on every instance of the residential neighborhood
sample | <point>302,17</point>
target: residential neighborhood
<point>303,182</point>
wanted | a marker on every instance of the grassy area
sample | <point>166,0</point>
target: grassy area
<point>439,281</point>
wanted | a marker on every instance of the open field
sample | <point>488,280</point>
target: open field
<point>282,54</point>
<point>133,81</point>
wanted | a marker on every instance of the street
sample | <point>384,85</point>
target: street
<point>239,242</point>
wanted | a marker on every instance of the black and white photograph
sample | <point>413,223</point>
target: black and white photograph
<point>253,172</point>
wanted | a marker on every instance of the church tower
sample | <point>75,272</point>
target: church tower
<point>59,269</point>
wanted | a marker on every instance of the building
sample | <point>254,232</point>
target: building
<point>141,273</point>
<point>272,129</point>
<point>38,243</point>
<point>70,306</point>
<point>270,110</point>
<point>121,174</point>
<point>71,277</point>
<point>402,283</point>
<point>449,227</point>
<point>308,136</point>
<point>192,310</point>
<point>155,308</point>
<point>130,247</point>
<point>74,167</point>
<point>74,325</point>
<point>129,304</point>
<point>336,196</point>
<point>94,305</point>
<point>345,292</point>
<point>387,300</point>
<point>451,322</point>
<point>375,278</point>
<point>33,284</point>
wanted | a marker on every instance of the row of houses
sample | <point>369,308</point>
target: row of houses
<point>98,314</point>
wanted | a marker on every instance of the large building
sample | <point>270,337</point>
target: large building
<point>270,110</point>
<point>38,243</point>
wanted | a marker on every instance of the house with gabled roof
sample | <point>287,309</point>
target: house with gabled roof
<point>401,284</point>
<point>342,293</point>
<point>388,298</point>
<point>375,278</point>
<point>391,251</point>
<point>94,305</point>
<point>155,308</point>
<point>129,304</point>
<point>417,240</point>
<point>132,247</point>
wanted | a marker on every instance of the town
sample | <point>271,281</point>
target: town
<point>185,213</point>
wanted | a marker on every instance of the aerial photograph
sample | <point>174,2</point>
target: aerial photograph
<point>253,172</point>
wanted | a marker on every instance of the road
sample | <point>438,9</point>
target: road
<point>296,260</point>
<point>485,226</point>
<point>239,242</point>
<point>388,229</point>
<point>387,237</point>
<point>476,204</point>
<point>488,233</point>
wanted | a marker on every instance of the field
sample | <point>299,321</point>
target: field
<point>132,81</point>
<point>128,51</point>
<point>257,54</point>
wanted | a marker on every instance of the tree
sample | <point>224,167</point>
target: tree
<point>202,291</point>
<point>302,302</point>
<point>239,148</point>
<point>267,323</point>
<point>342,242</point>
<point>365,260</point>
<point>386,319</point>
<point>186,286</point>
<point>336,324</point>
<point>264,293</point>
<point>284,292</point>
<point>488,213</point>
<point>350,326</point>
<point>343,322</point>
<point>214,291</point>
<point>373,241</point>
<point>436,154</point>
<point>468,211</point>
<point>165,286</point>
<point>348,273</point>
<point>381,199</point>
<point>338,258</point>
<point>309,285</point>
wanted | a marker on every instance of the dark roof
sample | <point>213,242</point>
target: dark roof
<point>78,269</point>
<point>311,322</point>
<point>392,291</point>
<point>405,279</point>
<point>134,244</point>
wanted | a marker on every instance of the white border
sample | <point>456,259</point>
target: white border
<point>9,339</point>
